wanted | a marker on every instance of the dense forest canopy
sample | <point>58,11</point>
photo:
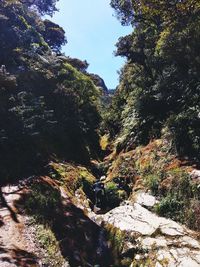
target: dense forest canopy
<point>41,6</point>
<point>159,85</point>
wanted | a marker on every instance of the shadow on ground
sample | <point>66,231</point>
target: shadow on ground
<point>17,257</point>
<point>81,241</point>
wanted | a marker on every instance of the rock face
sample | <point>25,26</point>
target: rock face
<point>157,241</point>
<point>98,81</point>
<point>195,175</point>
<point>145,199</point>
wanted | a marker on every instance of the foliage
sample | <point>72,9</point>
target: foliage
<point>54,35</point>
<point>72,177</point>
<point>78,64</point>
<point>49,109</point>
<point>49,243</point>
<point>159,85</point>
<point>42,202</point>
<point>104,142</point>
<point>23,30</point>
<point>59,119</point>
<point>156,168</point>
<point>171,207</point>
<point>113,195</point>
<point>152,182</point>
<point>181,200</point>
<point>42,6</point>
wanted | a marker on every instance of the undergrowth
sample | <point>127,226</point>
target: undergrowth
<point>44,205</point>
<point>181,199</point>
<point>155,167</point>
<point>43,201</point>
<point>49,243</point>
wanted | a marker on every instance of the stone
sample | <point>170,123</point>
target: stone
<point>195,174</point>
<point>145,199</point>
<point>138,257</point>
<point>149,242</point>
<point>133,219</point>
<point>128,248</point>
<point>171,228</point>
<point>170,243</point>
<point>188,262</point>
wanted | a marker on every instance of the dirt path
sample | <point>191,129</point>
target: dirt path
<point>15,249</point>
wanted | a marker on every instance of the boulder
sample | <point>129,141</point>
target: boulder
<point>145,199</point>
<point>156,240</point>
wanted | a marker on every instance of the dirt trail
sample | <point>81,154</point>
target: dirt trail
<point>16,250</point>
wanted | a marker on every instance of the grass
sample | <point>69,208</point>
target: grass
<point>43,205</point>
<point>181,201</point>
<point>152,181</point>
<point>155,167</point>
<point>72,177</point>
<point>104,141</point>
<point>49,243</point>
<point>43,201</point>
<point>114,195</point>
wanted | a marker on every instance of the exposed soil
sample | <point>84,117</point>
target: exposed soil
<point>16,249</point>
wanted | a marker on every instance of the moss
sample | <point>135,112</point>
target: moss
<point>73,177</point>
<point>49,243</point>
<point>42,201</point>
<point>104,141</point>
<point>114,195</point>
<point>116,238</point>
<point>152,181</point>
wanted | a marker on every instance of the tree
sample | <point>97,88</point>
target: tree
<point>48,108</point>
<point>47,7</point>
<point>160,82</point>
<point>54,35</point>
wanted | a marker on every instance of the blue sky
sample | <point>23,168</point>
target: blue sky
<point>92,32</point>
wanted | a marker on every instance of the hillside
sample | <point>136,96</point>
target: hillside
<point>91,177</point>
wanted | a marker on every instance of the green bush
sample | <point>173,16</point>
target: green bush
<point>49,243</point>
<point>182,200</point>
<point>152,182</point>
<point>193,215</point>
<point>171,207</point>
<point>43,201</point>
<point>114,195</point>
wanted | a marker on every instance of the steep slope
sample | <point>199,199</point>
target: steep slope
<point>51,113</point>
<point>49,109</point>
<point>159,84</point>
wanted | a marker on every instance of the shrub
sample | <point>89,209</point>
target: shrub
<point>170,206</point>
<point>193,215</point>
<point>42,201</point>
<point>113,194</point>
<point>49,243</point>
<point>152,181</point>
<point>182,200</point>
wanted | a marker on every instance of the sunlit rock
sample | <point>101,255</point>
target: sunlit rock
<point>145,199</point>
<point>160,241</point>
